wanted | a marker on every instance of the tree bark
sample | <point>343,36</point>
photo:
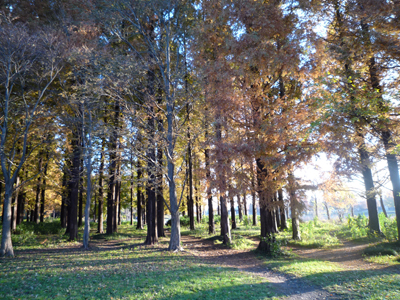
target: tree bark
<point>160,191</point>
<point>253,196</point>
<point>294,208</point>
<point>268,225</point>
<point>63,217</point>
<point>240,208</point>
<point>43,195</point>
<point>245,204</point>
<point>282,210</point>
<point>80,209</point>
<point>100,226</point>
<point>72,225</point>
<point>139,200</point>
<point>15,205</point>
<point>327,211</point>
<point>39,182</point>
<point>6,243</point>
<point>113,173</point>
<point>369,187</point>
<point>233,215</point>
<point>211,227</point>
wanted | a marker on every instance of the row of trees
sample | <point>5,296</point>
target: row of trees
<point>186,99</point>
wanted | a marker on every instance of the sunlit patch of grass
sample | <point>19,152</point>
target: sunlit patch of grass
<point>368,284</point>
<point>384,260</point>
<point>315,234</point>
<point>383,253</point>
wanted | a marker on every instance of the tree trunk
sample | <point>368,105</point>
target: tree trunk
<point>151,208</point>
<point>160,191</point>
<point>190,180</point>
<point>119,205</point>
<point>253,196</point>
<point>6,243</point>
<point>95,207</point>
<point>294,208</point>
<point>139,197</point>
<point>113,173</point>
<point>80,209</point>
<point>39,182</point>
<point>382,205</point>
<point>393,173</point>
<point>369,187</point>
<point>327,211</point>
<point>131,190</point>
<point>225,228</point>
<point>100,227</point>
<point>72,225</point>
<point>240,208</point>
<point>233,215</point>
<point>15,205</point>
<point>268,224</point>
<point>21,207</point>
<point>245,204</point>
<point>211,227</point>
<point>282,210</point>
<point>43,195</point>
<point>63,214</point>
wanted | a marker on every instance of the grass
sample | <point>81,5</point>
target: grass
<point>123,273</point>
<point>369,284</point>
<point>315,234</point>
<point>118,267</point>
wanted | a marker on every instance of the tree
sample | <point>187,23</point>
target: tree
<point>29,62</point>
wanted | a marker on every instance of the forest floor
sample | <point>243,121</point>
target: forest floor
<point>121,267</point>
<point>251,263</point>
<point>342,272</point>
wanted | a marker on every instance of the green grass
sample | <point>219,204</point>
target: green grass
<point>370,284</point>
<point>314,234</point>
<point>123,273</point>
<point>125,270</point>
<point>386,253</point>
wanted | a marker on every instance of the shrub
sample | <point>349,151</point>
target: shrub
<point>185,221</point>
<point>41,228</point>
<point>380,250</point>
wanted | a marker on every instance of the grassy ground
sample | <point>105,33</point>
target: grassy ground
<point>121,269</point>
<point>48,266</point>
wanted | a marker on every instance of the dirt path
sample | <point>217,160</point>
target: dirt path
<point>245,261</point>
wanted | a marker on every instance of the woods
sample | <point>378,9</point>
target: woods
<point>165,108</point>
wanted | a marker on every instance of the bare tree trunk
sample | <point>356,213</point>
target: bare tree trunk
<point>245,204</point>
<point>39,182</point>
<point>369,187</point>
<point>382,205</point>
<point>294,208</point>
<point>15,205</point>
<point>253,196</point>
<point>139,197</point>
<point>64,195</point>
<point>43,195</point>
<point>160,191</point>
<point>327,211</point>
<point>211,227</point>
<point>225,228</point>
<point>113,174</point>
<point>240,208</point>
<point>80,200</point>
<point>6,243</point>
<point>131,190</point>
<point>72,225</point>
<point>282,210</point>
<point>233,215</point>
<point>268,225</point>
